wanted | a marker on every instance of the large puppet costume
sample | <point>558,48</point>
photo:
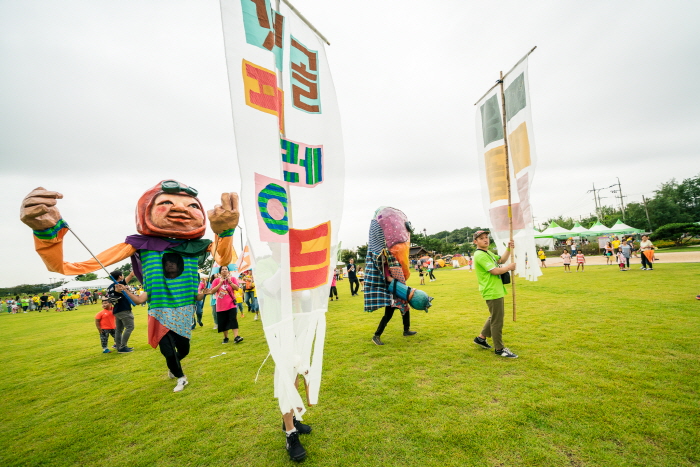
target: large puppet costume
<point>171,221</point>
<point>387,269</point>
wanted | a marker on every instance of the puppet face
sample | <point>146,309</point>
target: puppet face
<point>176,212</point>
<point>170,211</point>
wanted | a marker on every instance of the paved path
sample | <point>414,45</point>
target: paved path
<point>680,257</point>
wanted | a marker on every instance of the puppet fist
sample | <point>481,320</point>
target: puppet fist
<point>224,216</point>
<point>39,209</point>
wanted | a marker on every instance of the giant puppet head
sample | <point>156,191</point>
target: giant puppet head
<point>171,209</point>
<point>390,236</point>
<point>397,234</point>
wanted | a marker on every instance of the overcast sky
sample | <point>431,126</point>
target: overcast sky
<point>100,100</point>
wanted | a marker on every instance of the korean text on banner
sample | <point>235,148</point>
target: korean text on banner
<point>291,160</point>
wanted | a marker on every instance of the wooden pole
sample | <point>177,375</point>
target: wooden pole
<point>510,210</point>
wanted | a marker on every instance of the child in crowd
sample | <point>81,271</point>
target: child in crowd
<point>567,260</point>
<point>104,321</point>
<point>59,304</point>
<point>580,260</point>
<point>361,278</point>
<point>238,296</point>
<point>421,274</point>
<point>470,261</point>
<point>621,260</point>
<point>542,257</point>
<point>334,289</point>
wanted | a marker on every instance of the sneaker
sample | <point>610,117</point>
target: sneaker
<point>237,340</point>
<point>409,333</point>
<point>105,351</point>
<point>643,269</point>
<point>294,448</point>
<point>256,317</point>
<point>114,346</point>
<point>481,342</point>
<point>302,428</point>
<point>225,341</point>
<point>181,383</point>
<point>505,352</point>
<point>242,315</point>
<point>377,340</point>
<point>171,375</point>
<point>125,350</point>
<point>201,324</point>
<point>216,327</point>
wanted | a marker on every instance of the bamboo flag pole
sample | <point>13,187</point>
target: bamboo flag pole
<point>510,210</point>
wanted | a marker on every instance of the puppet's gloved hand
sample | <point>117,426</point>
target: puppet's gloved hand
<point>39,209</point>
<point>224,216</point>
<point>416,298</point>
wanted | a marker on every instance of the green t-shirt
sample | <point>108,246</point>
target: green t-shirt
<point>490,286</point>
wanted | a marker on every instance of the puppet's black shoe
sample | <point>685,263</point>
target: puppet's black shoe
<point>409,333</point>
<point>377,340</point>
<point>302,428</point>
<point>294,448</point>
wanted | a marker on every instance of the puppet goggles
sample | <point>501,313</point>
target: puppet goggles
<point>172,186</point>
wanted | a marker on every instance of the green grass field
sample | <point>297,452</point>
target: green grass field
<point>608,375</point>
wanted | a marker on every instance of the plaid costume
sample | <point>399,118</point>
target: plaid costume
<point>377,294</point>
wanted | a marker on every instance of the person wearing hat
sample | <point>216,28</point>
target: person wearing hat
<point>488,274</point>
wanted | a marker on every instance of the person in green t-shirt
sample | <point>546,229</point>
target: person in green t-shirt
<point>488,274</point>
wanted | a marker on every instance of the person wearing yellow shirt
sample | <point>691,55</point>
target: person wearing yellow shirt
<point>616,244</point>
<point>542,257</point>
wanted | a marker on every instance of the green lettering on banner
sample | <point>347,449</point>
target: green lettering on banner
<point>515,97</point>
<point>491,123</point>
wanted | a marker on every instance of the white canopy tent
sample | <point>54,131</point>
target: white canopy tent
<point>599,229</point>
<point>78,285</point>
<point>554,231</point>
<point>580,230</point>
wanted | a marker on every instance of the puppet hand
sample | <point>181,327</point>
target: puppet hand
<point>39,209</point>
<point>224,216</point>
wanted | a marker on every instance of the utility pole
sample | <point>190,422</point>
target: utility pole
<point>647,211</point>
<point>595,199</point>
<point>618,192</point>
<point>622,201</point>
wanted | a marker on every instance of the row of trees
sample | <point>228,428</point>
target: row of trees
<point>442,243</point>
<point>672,203</point>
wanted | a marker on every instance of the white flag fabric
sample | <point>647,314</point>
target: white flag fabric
<point>291,160</point>
<point>522,158</point>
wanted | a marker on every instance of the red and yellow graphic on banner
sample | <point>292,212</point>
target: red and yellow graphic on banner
<point>309,251</point>
<point>261,91</point>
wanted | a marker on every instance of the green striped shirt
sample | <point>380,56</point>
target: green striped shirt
<point>168,293</point>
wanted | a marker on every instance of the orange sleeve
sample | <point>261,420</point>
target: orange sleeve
<point>225,253</point>
<point>51,252</point>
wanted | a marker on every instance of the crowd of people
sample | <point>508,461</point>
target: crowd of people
<point>616,251</point>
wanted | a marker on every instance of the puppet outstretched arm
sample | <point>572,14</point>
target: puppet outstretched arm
<point>49,244</point>
<point>225,253</point>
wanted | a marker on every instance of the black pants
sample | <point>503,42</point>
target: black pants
<point>430,273</point>
<point>174,348</point>
<point>388,314</point>
<point>645,262</point>
<point>334,290</point>
<point>354,285</point>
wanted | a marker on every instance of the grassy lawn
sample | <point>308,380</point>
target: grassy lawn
<point>608,375</point>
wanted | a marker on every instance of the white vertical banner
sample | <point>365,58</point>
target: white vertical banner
<point>290,154</point>
<point>522,158</point>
